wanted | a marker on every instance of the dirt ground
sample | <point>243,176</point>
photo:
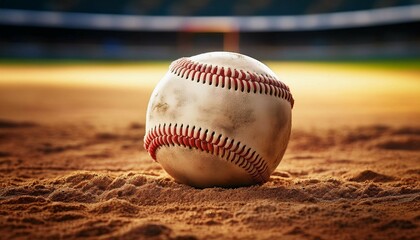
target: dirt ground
<point>73,167</point>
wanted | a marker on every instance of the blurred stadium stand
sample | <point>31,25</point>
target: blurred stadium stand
<point>203,7</point>
<point>165,29</point>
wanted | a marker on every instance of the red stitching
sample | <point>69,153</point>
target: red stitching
<point>168,135</point>
<point>231,78</point>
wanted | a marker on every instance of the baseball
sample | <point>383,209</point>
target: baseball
<point>219,119</point>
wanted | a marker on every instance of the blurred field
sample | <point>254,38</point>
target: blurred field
<point>73,167</point>
<point>326,93</point>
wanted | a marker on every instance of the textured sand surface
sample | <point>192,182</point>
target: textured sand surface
<point>77,181</point>
<point>73,167</point>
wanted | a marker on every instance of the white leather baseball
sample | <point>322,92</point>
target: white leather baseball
<point>219,119</point>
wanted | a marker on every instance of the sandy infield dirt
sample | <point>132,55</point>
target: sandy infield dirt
<point>73,167</point>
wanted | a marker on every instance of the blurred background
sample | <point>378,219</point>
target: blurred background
<point>165,29</point>
<point>345,61</point>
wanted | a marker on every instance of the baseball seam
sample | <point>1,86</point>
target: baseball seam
<point>231,78</point>
<point>202,139</point>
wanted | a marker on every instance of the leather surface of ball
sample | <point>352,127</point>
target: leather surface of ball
<point>219,119</point>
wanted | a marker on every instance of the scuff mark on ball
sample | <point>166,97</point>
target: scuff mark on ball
<point>161,107</point>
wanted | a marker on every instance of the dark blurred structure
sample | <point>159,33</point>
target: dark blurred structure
<point>162,29</point>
